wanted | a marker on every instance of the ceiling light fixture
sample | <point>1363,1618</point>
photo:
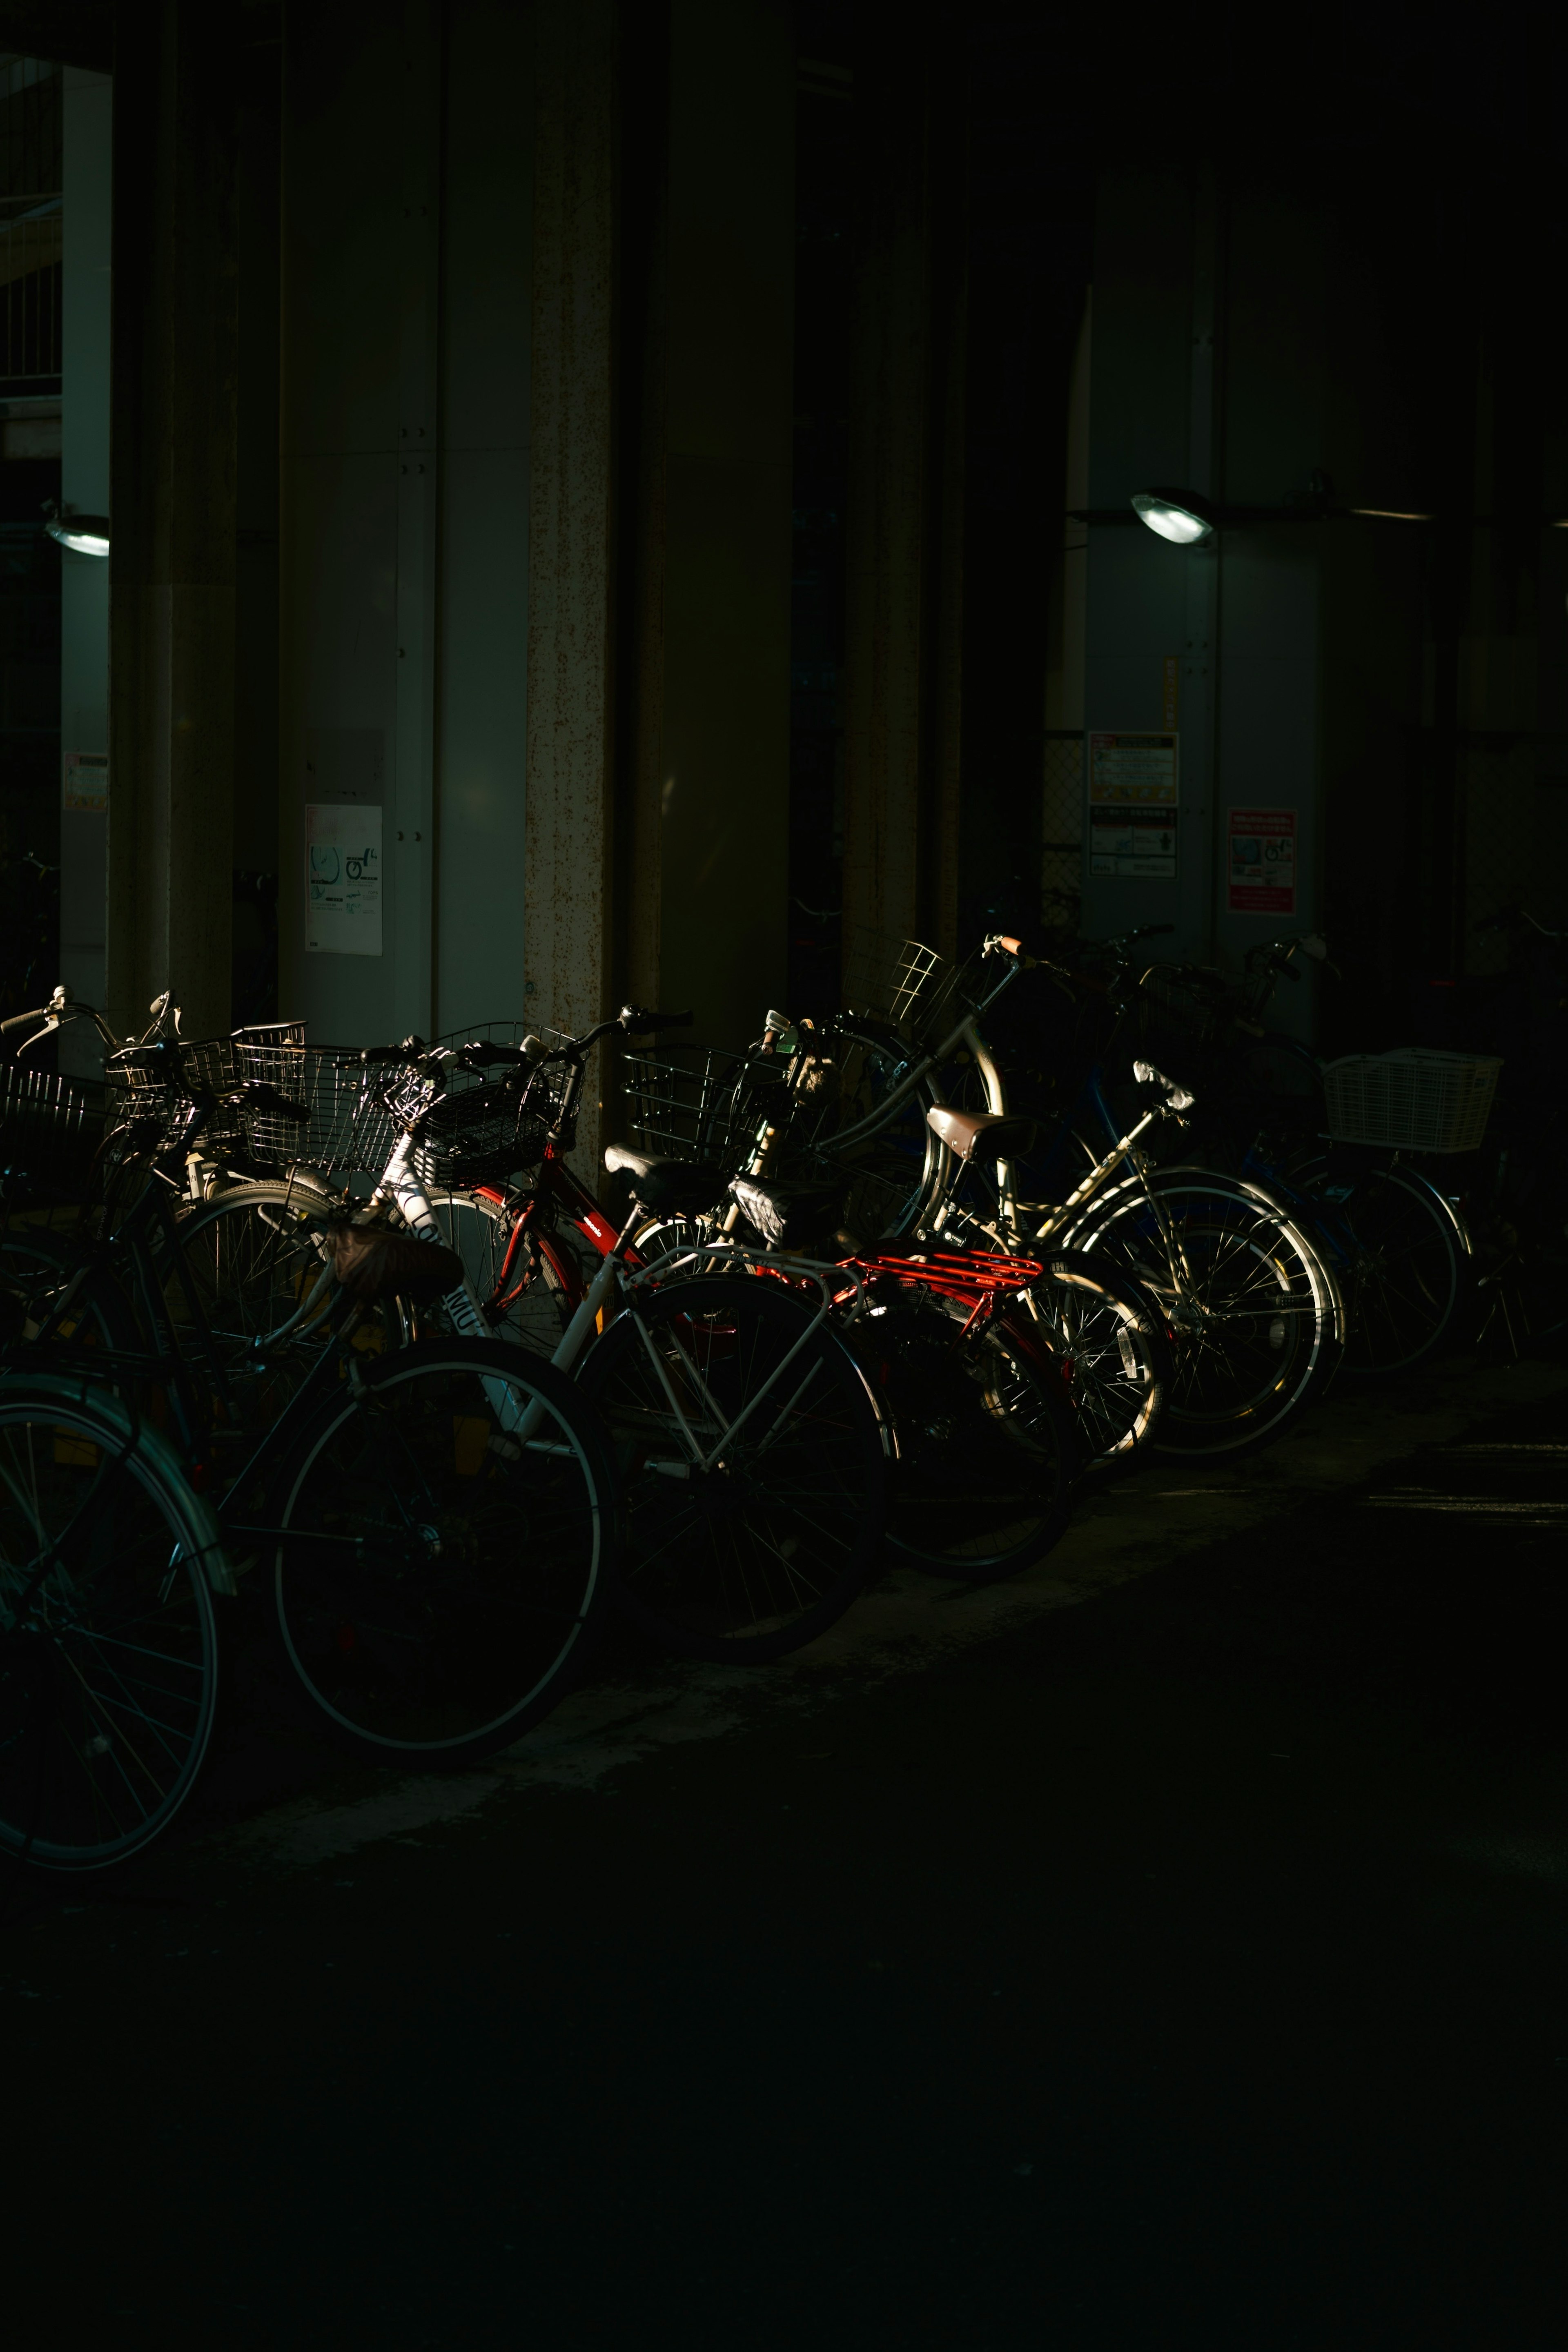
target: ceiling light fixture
<point>1180,516</point>
<point>83,534</point>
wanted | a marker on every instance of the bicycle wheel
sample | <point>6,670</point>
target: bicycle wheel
<point>889,1174</point>
<point>754,1458</point>
<point>530,1303</point>
<point>252,1259</point>
<point>1258,1319</point>
<point>1402,1256</point>
<point>35,1269</point>
<point>988,1449</point>
<point>449,1527</point>
<point>1110,1338</point>
<point>109,1644</point>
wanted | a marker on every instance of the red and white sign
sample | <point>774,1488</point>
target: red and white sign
<point>1261,852</point>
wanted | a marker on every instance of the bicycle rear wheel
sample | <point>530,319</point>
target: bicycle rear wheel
<point>108,1639</point>
<point>988,1448</point>
<point>1111,1340</point>
<point>754,1458</point>
<point>1258,1319</point>
<point>447,1530</point>
<point>1404,1261</point>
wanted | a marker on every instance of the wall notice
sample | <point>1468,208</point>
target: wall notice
<point>87,782</point>
<point>1262,861</point>
<point>342,879</point>
<point>1132,810</point>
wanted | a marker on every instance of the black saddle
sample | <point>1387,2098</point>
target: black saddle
<point>668,1187</point>
<point>790,1216</point>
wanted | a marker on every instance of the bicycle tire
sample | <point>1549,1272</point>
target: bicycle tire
<point>529,1308</point>
<point>1258,1314</point>
<point>109,1659</point>
<point>890,1175</point>
<point>251,1255</point>
<point>1407,1271</point>
<point>1111,1339</point>
<point>988,1445</point>
<point>755,1556</point>
<point>441,1569</point>
<point>35,1268</point>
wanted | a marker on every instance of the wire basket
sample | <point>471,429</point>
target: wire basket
<point>150,1085</point>
<point>489,1127</point>
<point>51,1129</point>
<point>350,1130</point>
<point>891,979</point>
<point>701,1102</point>
<point>1417,1099</point>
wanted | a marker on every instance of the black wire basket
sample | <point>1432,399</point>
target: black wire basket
<point>51,1131</point>
<point>490,1127</point>
<point>701,1102</point>
<point>350,1129</point>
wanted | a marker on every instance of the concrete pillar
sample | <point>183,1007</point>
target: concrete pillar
<point>724,789</point>
<point>566,899</point>
<point>172,568</point>
<point>904,553</point>
<point>89,102</point>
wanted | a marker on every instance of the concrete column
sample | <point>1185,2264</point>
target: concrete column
<point>172,569</point>
<point>724,790</point>
<point>89,102</point>
<point>567,888</point>
<point>904,553</point>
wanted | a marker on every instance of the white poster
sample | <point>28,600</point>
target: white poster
<point>342,879</point>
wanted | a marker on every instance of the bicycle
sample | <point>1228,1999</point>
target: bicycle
<point>737,1552</point>
<point>441,1527</point>
<point>1255,1312</point>
<point>1399,1245</point>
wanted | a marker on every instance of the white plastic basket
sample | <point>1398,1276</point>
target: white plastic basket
<point>1416,1099</point>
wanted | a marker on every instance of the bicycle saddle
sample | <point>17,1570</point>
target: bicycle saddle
<point>378,1261</point>
<point>790,1216</point>
<point>982,1134</point>
<point>668,1187</point>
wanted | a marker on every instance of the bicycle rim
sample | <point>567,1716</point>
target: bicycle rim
<point>444,1568</point>
<point>1403,1263</point>
<point>529,1307</point>
<point>755,1554</point>
<point>1257,1315</point>
<point>987,1448</point>
<point>109,1645</point>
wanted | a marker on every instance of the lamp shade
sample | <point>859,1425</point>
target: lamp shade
<point>1180,516</point>
<point>83,534</point>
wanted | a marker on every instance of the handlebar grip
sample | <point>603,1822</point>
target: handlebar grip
<point>256,1094</point>
<point>484,1055</point>
<point>636,1018</point>
<point>23,1021</point>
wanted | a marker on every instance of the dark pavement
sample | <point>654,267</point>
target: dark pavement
<point>1185,1967</point>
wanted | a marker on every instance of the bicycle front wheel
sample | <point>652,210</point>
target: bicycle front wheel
<point>109,1640</point>
<point>754,1458</point>
<point>445,1535</point>
<point>1258,1314</point>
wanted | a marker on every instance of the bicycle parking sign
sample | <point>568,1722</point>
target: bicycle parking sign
<point>1261,861</point>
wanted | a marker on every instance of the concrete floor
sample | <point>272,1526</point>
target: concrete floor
<point>1165,1949</point>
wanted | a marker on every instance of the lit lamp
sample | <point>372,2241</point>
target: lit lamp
<point>83,534</point>
<point>1180,516</point>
